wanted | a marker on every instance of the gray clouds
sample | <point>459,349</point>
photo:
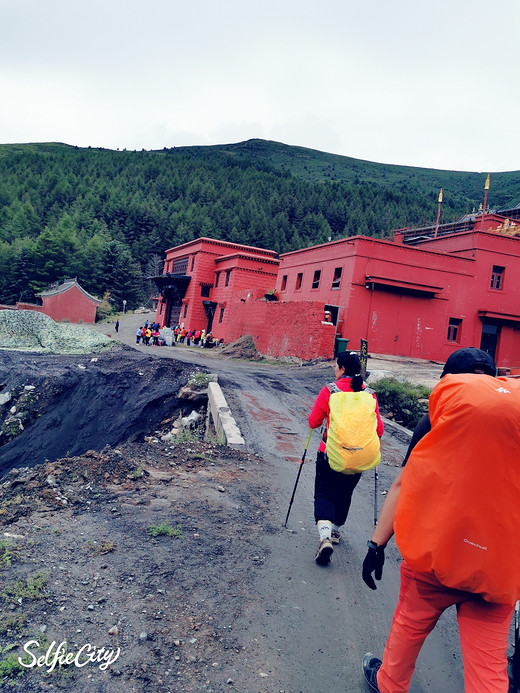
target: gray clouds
<point>402,82</point>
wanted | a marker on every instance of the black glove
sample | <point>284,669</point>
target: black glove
<point>373,563</point>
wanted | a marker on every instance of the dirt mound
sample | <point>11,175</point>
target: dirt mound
<point>27,330</point>
<point>56,406</point>
<point>242,348</point>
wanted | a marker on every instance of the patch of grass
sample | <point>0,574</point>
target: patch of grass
<point>185,435</point>
<point>165,529</point>
<point>32,588</point>
<point>198,381</point>
<point>402,399</point>
<point>137,473</point>
<point>13,623</point>
<point>102,548</point>
<point>10,669</point>
<point>15,500</point>
<point>8,552</point>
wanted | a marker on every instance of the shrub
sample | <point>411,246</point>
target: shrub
<point>165,529</point>
<point>402,399</point>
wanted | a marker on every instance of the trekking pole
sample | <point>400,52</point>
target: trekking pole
<point>298,476</point>
<point>516,653</point>
<point>376,477</point>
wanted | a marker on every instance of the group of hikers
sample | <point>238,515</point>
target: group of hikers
<point>198,337</point>
<point>149,334</point>
<point>454,509</point>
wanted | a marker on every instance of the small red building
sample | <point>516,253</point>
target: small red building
<point>203,277</point>
<point>68,302</point>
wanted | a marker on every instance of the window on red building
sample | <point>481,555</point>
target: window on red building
<point>299,280</point>
<point>316,279</point>
<point>186,310</point>
<point>228,274</point>
<point>192,263</point>
<point>336,281</point>
<point>284,282</point>
<point>454,326</point>
<point>221,316</point>
<point>204,290</point>
<point>497,277</point>
<point>179,266</point>
<point>217,277</point>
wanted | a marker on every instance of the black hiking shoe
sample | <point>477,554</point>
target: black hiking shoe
<point>371,666</point>
<point>324,552</point>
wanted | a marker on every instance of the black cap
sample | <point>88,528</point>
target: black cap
<point>468,360</point>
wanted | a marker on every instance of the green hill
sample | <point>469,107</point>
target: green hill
<point>107,216</point>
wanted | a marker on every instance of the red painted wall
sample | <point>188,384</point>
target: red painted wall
<point>284,329</point>
<point>29,306</point>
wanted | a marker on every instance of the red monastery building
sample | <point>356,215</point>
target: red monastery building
<point>202,278</point>
<point>422,301</point>
<point>423,295</point>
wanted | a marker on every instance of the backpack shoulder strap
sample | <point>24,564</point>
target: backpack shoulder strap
<point>333,388</point>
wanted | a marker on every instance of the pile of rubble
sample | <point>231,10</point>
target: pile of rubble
<point>27,330</point>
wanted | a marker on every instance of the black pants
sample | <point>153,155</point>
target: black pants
<point>332,492</point>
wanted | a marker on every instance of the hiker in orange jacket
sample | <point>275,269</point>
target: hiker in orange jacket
<point>332,489</point>
<point>453,511</point>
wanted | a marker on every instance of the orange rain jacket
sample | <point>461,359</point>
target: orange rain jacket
<point>458,514</point>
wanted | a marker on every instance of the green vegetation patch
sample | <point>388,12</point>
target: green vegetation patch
<point>405,401</point>
<point>31,588</point>
<point>165,529</point>
<point>8,552</point>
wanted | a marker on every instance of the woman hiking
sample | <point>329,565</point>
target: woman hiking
<point>333,488</point>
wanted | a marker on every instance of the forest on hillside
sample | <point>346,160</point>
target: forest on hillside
<point>106,217</point>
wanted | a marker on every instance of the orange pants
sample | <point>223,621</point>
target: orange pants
<point>483,630</point>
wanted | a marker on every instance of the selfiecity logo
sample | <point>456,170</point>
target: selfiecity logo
<point>57,655</point>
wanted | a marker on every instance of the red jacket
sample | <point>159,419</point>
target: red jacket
<point>320,411</point>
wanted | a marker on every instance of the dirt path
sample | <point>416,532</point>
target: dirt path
<point>309,626</point>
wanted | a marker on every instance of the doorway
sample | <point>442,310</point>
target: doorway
<point>489,339</point>
<point>209,307</point>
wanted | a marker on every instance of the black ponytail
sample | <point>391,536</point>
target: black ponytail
<point>357,383</point>
<point>351,363</point>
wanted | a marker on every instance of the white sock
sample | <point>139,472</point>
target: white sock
<point>324,529</point>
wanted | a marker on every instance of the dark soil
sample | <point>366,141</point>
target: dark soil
<point>82,402</point>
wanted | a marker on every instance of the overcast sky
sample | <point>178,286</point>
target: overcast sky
<point>393,81</point>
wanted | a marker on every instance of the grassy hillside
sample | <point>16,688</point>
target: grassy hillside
<point>466,188</point>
